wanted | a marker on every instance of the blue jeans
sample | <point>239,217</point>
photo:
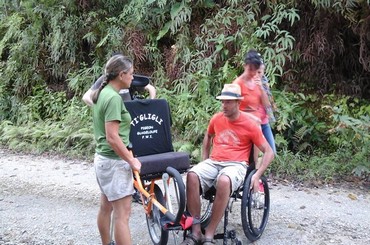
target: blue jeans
<point>267,132</point>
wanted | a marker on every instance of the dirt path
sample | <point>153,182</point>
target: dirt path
<point>55,201</point>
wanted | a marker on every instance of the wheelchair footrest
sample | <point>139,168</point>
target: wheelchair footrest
<point>185,223</point>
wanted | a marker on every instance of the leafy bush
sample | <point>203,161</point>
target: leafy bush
<point>72,136</point>
<point>338,166</point>
<point>299,122</point>
<point>310,123</point>
<point>43,105</point>
<point>51,51</point>
<point>321,139</point>
<point>5,103</point>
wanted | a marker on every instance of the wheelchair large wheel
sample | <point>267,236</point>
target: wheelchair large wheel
<point>157,234</point>
<point>255,209</point>
<point>175,201</point>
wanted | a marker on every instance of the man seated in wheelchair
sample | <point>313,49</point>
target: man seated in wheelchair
<point>231,133</point>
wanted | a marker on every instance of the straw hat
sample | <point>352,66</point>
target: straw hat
<point>230,92</point>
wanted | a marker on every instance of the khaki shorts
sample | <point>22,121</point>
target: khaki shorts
<point>209,171</point>
<point>114,177</point>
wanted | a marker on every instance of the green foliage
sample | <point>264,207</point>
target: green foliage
<point>5,102</point>
<point>73,135</point>
<point>43,105</point>
<point>325,168</point>
<point>81,80</point>
<point>214,59</point>
<point>349,131</point>
<point>52,51</point>
<point>180,13</point>
<point>299,122</point>
<point>280,42</point>
<point>188,146</point>
<point>311,122</point>
<point>321,141</point>
<point>287,165</point>
<point>330,58</point>
<point>18,72</point>
<point>189,119</point>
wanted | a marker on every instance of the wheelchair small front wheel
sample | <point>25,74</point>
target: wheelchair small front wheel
<point>153,220</point>
<point>255,208</point>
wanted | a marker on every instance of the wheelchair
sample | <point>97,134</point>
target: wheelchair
<point>254,209</point>
<point>161,185</point>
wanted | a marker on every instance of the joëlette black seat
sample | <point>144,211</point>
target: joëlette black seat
<point>151,138</point>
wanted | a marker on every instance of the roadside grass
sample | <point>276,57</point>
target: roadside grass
<point>343,165</point>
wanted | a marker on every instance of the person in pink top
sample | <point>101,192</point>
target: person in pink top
<point>255,96</point>
<point>230,134</point>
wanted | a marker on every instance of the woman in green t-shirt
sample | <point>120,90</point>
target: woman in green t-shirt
<point>113,162</point>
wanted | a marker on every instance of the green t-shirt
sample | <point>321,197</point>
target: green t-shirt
<point>110,107</point>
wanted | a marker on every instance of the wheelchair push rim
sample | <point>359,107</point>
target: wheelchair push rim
<point>254,217</point>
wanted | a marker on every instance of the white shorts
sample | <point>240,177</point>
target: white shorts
<point>209,171</point>
<point>114,177</point>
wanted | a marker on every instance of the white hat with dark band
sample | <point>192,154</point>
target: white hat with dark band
<point>230,92</point>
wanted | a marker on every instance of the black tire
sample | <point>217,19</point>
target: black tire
<point>157,234</point>
<point>254,218</point>
<point>177,202</point>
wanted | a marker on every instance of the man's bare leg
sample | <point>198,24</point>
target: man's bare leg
<point>193,204</point>
<point>223,190</point>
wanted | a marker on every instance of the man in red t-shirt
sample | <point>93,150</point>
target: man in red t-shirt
<point>231,133</point>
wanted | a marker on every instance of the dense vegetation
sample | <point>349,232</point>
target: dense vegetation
<point>317,54</point>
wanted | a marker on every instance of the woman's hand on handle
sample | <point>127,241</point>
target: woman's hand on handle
<point>135,164</point>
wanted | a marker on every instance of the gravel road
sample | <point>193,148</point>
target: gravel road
<point>46,200</point>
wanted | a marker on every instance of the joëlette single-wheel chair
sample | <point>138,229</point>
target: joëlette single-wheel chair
<point>159,182</point>
<point>163,201</point>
